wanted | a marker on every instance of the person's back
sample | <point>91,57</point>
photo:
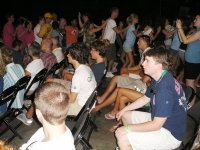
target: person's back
<point>14,73</point>
<point>51,101</point>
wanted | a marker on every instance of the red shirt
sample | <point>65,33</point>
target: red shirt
<point>8,30</point>
<point>70,37</point>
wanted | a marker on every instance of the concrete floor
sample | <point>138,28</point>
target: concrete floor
<point>101,140</point>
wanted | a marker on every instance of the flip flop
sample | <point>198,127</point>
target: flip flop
<point>109,116</point>
<point>113,128</point>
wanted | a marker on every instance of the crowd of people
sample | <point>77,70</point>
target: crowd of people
<point>164,46</point>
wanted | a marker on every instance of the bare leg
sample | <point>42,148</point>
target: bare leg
<point>123,142</point>
<point>111,99</point>
<point>110,88</point>
<point>197,81</point>
<point>110,64</point>
<point>190,82</point>
<point>131,60</point>
<point>123,96</point>
<point>30,112</point>
<point>126,62</point>
<point>68,76</point>
<point>122,57</point>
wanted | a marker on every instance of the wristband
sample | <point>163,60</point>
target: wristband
<point>127,128</point>
<point>128,68</point>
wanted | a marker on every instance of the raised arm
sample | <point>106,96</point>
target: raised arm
<point>184,38</point>
<point>99,27</point>
<point>79,20</point>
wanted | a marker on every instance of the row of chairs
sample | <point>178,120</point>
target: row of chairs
<point>80,123</point>
<point>9,95</point>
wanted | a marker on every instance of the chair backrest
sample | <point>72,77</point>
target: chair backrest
<point>8,95</point>
<point>50,72</point>
<point>22,83</point>
<point>189,94</point>
<point>61,63</point>
<point>80,127</point>
<point>38,77</point>
<point>193,112</point>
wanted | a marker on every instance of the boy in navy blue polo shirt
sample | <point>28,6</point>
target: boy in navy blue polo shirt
<point>165,126</point>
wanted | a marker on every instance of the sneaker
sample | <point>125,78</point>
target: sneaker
<point>22,117</point>
<point>109,75</point>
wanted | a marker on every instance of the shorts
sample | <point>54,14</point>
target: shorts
<point>174,52</point>
<point>135,76</point>
<point>159,140</point>
<point>66,84</point>
<point>127,50</point>
<point>74,108</point>
<point>130,83</point>
<point>111,52</point>
<point>181,54</point>
<point>192,70</point>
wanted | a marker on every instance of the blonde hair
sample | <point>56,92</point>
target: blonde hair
<point>6,53</point>
<point>2,66</point>
<point>131,17</point>
<point>52,99</point>
<point>4,146</point>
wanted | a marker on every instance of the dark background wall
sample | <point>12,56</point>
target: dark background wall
<point>97,9</point>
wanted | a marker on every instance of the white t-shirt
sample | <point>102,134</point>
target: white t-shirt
<point>65,141</point>
<point>148,32</point>
<point>168,40</point>
<point>59,54</point>
<point>109,33</point>
<point>34,67</point>
<point>36,31</point>
<point>83,83</point>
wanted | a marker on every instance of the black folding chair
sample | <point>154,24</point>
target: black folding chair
<point>189,94</point>
<point>50,72</point>
<point>194,115</point>
<point>22,83</point>
<point>9,96</point>
<point>79,129</point>
<point>38,77</point>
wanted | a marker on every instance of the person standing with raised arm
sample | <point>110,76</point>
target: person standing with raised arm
<point>192,53</point>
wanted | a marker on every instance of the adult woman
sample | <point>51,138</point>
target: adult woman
<point>192,54</point>
<point>130,40</point>
<point>30,33</point>
<point>13,74</point>
<point>160,25</point>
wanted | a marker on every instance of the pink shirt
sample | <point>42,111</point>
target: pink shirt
<point>20,30</point>
<point>29,38</point>
<point>8,30</point>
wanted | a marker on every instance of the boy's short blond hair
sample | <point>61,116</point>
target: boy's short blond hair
<point>52,99</point>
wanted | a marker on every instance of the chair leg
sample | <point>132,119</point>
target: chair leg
<point>92,124</point>
<point>85,143</point>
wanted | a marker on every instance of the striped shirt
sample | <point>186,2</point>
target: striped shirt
<point>14,73</point>
<point>49,59</point>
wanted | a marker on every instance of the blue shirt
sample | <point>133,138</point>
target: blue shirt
<point>14,73</point>
<point>168,101</point>
<point>175,42</point>
<point>130,37</point>
<point>17,57</point>
<point>192,53</point>
<point>55,33</point>
<point>3,107</point>
<point>98,70</point>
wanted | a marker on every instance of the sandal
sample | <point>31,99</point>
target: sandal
<point>109,116</point>
<point>113,128</point>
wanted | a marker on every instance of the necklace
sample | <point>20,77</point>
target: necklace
<point>162,75</point>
